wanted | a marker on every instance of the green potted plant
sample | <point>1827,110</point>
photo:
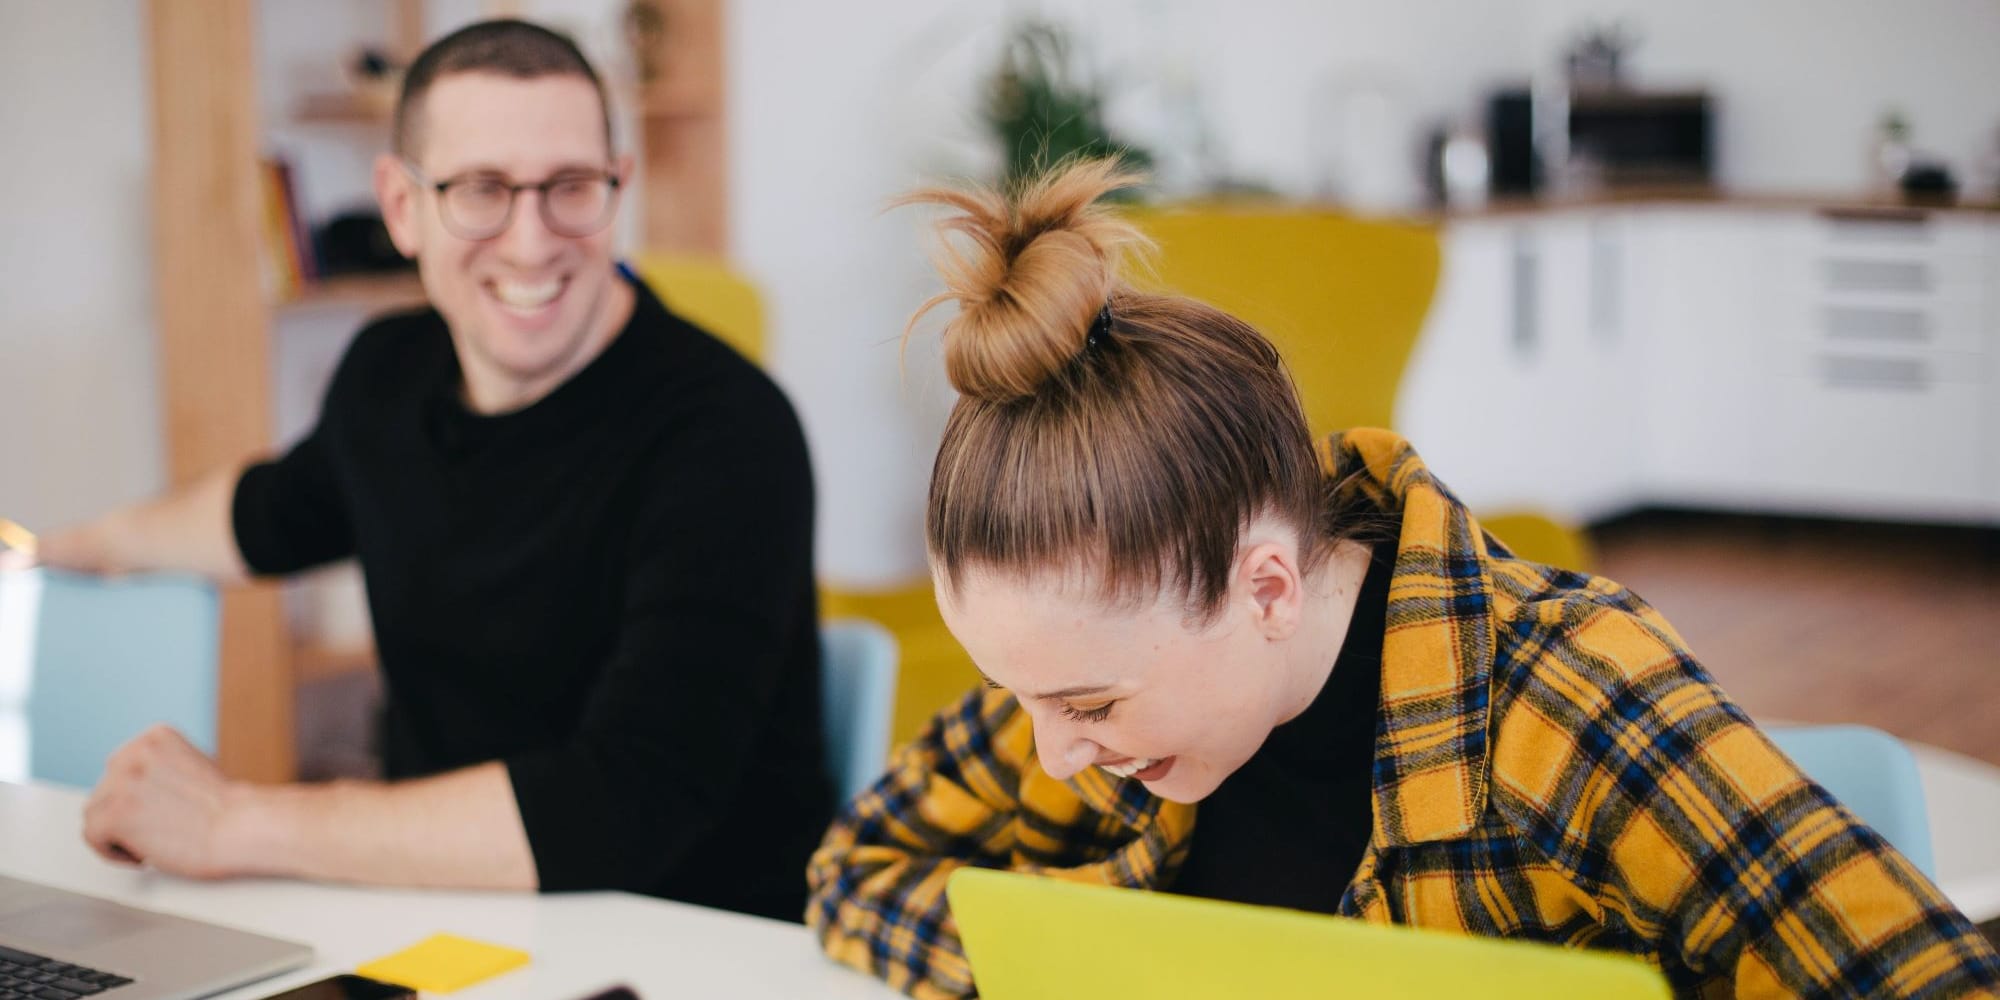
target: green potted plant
<point>1041,113</point>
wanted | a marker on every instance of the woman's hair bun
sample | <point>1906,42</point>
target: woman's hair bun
<point>1029,276</point>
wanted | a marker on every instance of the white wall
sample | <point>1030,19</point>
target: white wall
<point>79,428</point>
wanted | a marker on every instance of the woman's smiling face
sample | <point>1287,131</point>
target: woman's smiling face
<point>1137,691</point>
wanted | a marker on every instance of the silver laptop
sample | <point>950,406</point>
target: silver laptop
<point>61,942</point>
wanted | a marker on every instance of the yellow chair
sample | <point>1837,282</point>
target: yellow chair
<point>1344,300</point>
<point>710,295</point>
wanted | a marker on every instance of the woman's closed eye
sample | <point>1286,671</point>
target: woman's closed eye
<point>1096,713</point>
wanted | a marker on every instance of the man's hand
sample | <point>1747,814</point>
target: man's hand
<point>163,803</point>
<point>188,531</point>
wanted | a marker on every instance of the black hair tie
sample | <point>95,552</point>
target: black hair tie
<point>1100,330</point>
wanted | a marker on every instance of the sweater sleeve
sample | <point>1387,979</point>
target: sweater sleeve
<point>290,513</point>
<point>720,555</point>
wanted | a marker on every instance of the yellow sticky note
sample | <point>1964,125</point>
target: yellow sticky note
<point>443,963</point>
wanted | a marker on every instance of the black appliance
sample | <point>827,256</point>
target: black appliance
<point>1510,140</point>
<point>1640,137</point>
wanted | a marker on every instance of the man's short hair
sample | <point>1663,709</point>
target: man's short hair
<point>507,47</point>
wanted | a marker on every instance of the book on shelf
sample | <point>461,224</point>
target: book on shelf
<point>289,263</point>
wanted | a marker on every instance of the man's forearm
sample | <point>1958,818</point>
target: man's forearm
<point>186,531</point>
<point>456,830</point>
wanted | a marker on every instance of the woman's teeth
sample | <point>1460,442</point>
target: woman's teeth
<point>520,296</point>
<point>1130,767</point>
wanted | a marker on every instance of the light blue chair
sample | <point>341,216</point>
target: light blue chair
<point>1873,774</point>
<point>857,700</point>
<point>110,657</point>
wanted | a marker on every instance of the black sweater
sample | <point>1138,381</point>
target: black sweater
<point>1289,827</point>
<point>610,590</point>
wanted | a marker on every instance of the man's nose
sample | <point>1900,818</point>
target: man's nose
<point>527,238</point>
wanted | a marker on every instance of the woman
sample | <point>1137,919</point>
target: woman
<point>1177,599</point>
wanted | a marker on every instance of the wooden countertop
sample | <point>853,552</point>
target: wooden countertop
<point>1856,205</point>
<point>1832,203</point>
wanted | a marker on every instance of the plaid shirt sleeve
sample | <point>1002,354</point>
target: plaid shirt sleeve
<point>1623,763</point>
<point>969,791</point>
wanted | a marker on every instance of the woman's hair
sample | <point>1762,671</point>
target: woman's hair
<point>1133,434</point>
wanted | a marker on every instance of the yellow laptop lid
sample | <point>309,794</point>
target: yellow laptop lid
<point>1029,937</point>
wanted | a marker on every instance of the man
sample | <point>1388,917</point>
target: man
<point>586,529</point>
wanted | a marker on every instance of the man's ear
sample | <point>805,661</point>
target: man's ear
<point>1268,578</point>
<point>621,167</point>
<point>396,191</point>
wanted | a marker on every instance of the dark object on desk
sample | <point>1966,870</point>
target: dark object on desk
<point>358,243</point>
<point>346,986</point>
<point>1930,184</point>
<point>614,993</point>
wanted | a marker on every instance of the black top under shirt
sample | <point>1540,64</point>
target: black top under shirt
<point>1288,828</point>
<point>609,590</point>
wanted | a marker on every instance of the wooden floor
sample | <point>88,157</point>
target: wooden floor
<point>1819,621</point>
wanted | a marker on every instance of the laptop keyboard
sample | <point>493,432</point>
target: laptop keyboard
<point>25,976</point>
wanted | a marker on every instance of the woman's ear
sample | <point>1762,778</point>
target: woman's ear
<point>1270,584</point>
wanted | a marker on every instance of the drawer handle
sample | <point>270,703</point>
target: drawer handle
<point>1864,323</point>
<point>1845,371</point>
<point>1899,227</point>
<point>1845,275</point>
<point>1525,273</point>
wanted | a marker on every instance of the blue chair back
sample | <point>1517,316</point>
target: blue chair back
<point>857,700</point>
<point>1873,774</point>
<point>110,657</point>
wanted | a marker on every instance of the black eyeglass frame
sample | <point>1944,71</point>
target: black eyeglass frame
<point>442,188</point>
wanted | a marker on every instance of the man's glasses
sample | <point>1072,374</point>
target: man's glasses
<point>574,203</point>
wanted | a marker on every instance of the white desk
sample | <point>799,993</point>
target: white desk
<point>584,942</point>
<point>580,943</point>
<point>1962,796</point>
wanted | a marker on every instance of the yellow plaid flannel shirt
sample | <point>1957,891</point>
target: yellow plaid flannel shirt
<point>1551,763</point>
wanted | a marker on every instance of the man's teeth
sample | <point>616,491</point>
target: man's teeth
<point>1130,767</point>
<point>522,296</point>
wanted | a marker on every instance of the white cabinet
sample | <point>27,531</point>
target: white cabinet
<point>1697,293</point>
<point>1584,364</point>
<point>1466,372</point>
<point>1877,364</point>
<point>1586,361</point>
<point>1519,394</point>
